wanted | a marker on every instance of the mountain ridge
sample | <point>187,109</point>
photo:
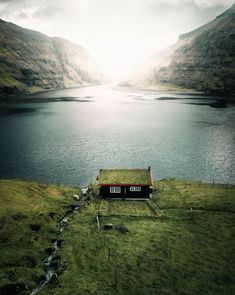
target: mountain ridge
<point>31,61</point>
<point>201,60</point>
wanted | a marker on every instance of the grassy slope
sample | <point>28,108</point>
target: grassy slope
<point>23,207</point>
<point>168,250</point>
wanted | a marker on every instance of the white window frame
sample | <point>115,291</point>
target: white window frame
<point>115,189</point>
<point>135,188</point>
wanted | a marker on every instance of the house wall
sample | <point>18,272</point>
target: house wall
<point>125,193</point>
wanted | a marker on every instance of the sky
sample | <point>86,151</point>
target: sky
<point>119,34</point>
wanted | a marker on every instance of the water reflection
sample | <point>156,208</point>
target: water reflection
<point>56,139</point>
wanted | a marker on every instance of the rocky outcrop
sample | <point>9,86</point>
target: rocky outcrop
<point>31,61</point>
<point>203,60</point>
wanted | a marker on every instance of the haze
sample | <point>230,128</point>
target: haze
<point>119,34</point>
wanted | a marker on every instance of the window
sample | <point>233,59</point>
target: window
<point>115,189</point>
<point>135,188</point>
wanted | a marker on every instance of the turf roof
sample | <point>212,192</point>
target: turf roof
<point>125,176</point>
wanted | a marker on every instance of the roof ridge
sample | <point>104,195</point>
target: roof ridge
<point>112,169</point>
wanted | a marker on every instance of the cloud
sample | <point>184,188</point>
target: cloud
<point>47,12</point>
<point>199,3</point>
<point>43,9</point>
<point>14,9</point>
<point>22,15</point>
<point>213,3</point>
<point>118,33</point>
<point>8,1</point>
<point>185,15</point>
<point>19,9</point>
<point>19,3</point>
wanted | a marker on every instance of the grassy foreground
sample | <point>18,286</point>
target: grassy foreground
<point>180,242</point>
<point>29,217</point>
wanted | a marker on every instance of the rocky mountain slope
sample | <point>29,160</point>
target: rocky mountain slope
<point>203,59</point>
<point>31,61</point>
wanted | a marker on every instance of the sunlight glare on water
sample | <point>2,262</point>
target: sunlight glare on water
<point>69,140</point>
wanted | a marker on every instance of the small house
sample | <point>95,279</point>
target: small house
<point>131,184</point>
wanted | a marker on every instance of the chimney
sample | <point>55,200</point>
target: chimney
<point>151,176</point>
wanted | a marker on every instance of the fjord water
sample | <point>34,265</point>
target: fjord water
<point>66,136</point>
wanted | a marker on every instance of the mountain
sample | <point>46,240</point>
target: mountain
<point>203,60</point>
<point>31,61</point>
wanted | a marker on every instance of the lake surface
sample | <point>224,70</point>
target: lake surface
<point>66,136</point>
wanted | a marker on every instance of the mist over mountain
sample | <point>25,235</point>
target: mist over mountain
<point>31,61</point>
<point>203,60</point>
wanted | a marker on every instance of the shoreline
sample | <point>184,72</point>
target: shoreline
<point>171,90</point>
<point>70,185</point>
<point>42,91</point>
<point>179,91</point>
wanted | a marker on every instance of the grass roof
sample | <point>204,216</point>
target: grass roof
<point>125,176</point>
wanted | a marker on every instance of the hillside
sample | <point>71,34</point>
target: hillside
<point>29,223</point>
<point>31,61</point>
<point>179,242</point>
<point>203,60</point>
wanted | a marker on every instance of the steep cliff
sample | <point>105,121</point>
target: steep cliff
<point>31,61</point>
<point>203,59</point>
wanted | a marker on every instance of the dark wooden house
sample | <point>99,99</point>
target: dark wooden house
<point>134,184</point>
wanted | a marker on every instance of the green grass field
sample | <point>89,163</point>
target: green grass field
<point>29,217</point>
<point>179,242</point>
